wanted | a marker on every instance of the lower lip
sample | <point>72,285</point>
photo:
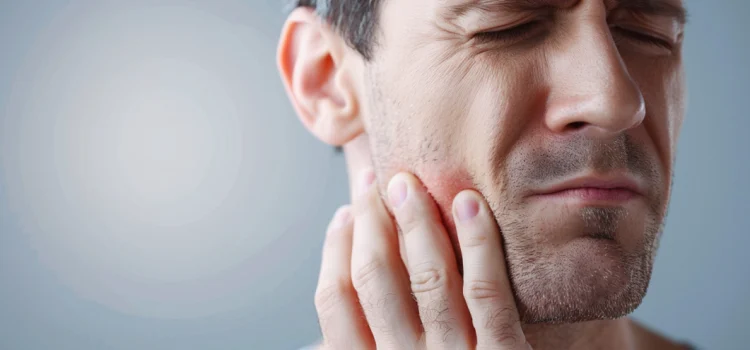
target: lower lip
<point>594,194</point>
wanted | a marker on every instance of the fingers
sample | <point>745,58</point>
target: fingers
<point>341,320</point>
<point>431,263</point>
<point>486,289</point>
<point>378,275</point>
<point>449,306</point>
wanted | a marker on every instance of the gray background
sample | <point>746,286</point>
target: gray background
<point>157,192</point>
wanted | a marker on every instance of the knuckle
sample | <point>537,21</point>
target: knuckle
<point>427,278</point>
<point>481,290</point>
<point>506,336</point>
<point>411,226</point>
<point>329,297</point>
<point>473,239</point>
<point>503,324</point>
<point>363,276</point>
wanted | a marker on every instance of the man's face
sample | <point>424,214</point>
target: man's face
<point>522,103</point>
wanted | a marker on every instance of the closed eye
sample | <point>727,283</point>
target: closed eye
<point>641,38</point>
<point>514,34</point>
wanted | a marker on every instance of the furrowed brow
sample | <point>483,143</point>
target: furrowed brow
<point>461,9</point>
<point>663,8</point>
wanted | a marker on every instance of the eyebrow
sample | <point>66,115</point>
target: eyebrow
<point>503,5</point>
<point>663,8</point>
<point>660,8</point>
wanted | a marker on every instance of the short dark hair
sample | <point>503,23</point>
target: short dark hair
<point>355,20</point>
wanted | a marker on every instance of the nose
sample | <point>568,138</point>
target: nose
<point>591,90</point>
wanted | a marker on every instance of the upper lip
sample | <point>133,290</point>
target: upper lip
<point>623,182</point>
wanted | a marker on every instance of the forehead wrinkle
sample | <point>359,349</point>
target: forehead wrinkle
<point>666,8</point>
<point>463,7</point>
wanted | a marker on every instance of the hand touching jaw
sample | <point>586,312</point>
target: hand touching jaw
<point>391,280</point>
<point>417,300</point>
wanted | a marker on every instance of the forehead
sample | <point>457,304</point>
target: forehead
<point>458,8</point>
<point>543,3</point>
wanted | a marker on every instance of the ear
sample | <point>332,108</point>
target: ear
<point>312,59</point>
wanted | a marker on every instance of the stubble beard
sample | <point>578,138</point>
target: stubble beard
<point>587,280</point>
<point>546,289</point>
<point>554,289</point>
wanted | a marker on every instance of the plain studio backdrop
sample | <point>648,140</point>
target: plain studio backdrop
<point>157,191</point>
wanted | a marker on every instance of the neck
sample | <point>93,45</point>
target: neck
<point>605,334</point>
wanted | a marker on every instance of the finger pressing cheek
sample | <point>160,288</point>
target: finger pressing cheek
<point>378,275</point>
<point>431,264</point>
<point>487,288</point>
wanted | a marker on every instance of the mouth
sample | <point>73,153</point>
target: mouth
<point>593,189</point>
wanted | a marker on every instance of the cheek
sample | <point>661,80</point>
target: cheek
<point>663,86</point>
<point>444,182</point>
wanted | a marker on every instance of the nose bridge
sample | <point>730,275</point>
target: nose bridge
<point>591,86</point>
<point>601,58</point>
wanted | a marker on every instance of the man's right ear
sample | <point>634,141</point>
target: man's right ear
<point>312,59</point>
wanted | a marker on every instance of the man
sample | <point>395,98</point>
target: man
<point>511,166</point>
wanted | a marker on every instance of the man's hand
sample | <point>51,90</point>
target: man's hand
<point>368,295</point>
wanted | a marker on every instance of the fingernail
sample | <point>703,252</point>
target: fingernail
<point>397,191</point>
<point>366,180</point>
<point>341,218</point>
<point>466,208</point>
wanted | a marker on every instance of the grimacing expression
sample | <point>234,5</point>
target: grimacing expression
<point>514,99</point>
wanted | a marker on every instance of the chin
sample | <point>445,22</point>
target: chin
<point>590,264</point>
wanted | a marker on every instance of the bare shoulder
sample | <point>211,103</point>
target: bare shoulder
<point>648,339</point>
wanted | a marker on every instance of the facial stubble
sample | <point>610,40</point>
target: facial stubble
<point>547,290</point>
<point>554,287</point>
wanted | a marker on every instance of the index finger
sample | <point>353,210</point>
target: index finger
<point>487,289</point>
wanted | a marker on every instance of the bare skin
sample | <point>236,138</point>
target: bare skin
<point>560,117</point>
<point>370,296</point>
<point>371,303</point>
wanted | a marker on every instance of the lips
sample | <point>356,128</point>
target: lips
<point>595,188</point>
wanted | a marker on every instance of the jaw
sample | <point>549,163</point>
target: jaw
<point>565,273</point>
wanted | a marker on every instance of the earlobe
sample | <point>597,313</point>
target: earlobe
<point>311,60</point>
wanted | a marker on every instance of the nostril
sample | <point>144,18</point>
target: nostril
<point>576,125</point>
